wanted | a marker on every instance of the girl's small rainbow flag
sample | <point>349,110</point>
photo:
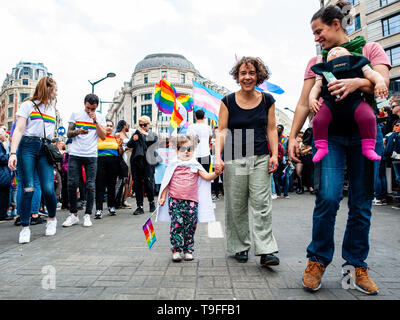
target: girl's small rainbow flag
<point>149,233</point>
<point>14,182</point>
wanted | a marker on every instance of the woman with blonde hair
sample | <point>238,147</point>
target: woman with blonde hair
<point>34,117</point>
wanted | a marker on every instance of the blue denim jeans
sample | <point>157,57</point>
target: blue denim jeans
<point>37,194</point>
<point>355,247</point>
<point>380,186</point>
<point>31,158</point>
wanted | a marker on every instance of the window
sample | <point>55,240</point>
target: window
<point>134,99</point>
<point>354,2</point>
<point>10,112</point>
<point>391,25</point>
<point>11,98</point>
<point>147,110</point>
<point>146,96</point>
<point>134,114</point>
<point>386,2</point>
<point>394,55</point>
<point>355,26</point>
<point>23,96</point>
<point>146,78</point>
<point>394,85</point>
<point>24,82</point>
<point>183,78</point>
<point>164,74</point>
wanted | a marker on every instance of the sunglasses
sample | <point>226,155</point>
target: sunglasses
<point>184,149</point>
<point>143,124</point>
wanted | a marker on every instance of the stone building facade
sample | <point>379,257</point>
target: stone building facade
<point>19,85</point>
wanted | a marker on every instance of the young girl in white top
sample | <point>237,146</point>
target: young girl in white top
<point>185,197</point>
<point>35,116</point>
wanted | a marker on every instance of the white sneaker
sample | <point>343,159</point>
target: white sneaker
<point>71,220</point>
<point>188,256</point>
<point>25,236</point>
<point>112,211</point>
<point>176,256</point>
<point>51,227</point>
<point>287,197</point>
<point>86,221</point>
<point>274,196</point>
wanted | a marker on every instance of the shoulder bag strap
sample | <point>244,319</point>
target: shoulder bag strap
<point>44,125</point>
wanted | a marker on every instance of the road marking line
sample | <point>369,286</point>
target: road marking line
<point>215,230</point>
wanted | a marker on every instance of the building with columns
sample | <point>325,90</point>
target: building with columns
<point>19,85</point>
<point>378,21</point>
<point>136,97</point>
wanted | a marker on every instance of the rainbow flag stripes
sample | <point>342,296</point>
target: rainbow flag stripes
<point>36,116</point>
<point>187,101</point>
<point>86,125</point>
<point>164,96</point>
<point>149,233</point>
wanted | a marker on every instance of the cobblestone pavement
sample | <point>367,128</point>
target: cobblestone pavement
<point>110,260</point>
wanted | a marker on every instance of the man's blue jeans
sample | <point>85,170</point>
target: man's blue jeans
<point>380,186</point>
<point>31,158</point>
<point>355,246</point>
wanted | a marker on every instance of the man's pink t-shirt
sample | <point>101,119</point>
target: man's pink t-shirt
<point>372,51</point>
<point>183,184</point>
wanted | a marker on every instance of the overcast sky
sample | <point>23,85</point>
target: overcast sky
<point>81,40</point>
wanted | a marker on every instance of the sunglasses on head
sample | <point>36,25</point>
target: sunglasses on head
<point>143,124</point>
<point>184,149</point>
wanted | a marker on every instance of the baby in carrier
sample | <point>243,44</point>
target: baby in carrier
<point>342,114</point>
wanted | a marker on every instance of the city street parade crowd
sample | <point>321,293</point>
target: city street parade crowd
<point>104,162</point>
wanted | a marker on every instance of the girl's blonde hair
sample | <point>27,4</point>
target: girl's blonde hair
<point>144,119</point>
<point>43,89</point>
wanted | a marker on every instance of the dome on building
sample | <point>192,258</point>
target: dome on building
<point>165,60</point>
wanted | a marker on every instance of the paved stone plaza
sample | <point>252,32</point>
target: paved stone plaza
<point>110,260</point>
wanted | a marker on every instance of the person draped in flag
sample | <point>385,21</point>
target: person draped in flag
<point>246,121</point>
<point>185,196</point>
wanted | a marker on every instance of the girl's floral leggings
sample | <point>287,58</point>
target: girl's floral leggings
<point>183,215</point>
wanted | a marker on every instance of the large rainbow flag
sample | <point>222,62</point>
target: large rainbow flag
<point>176,118</point>
<point>165,96</point>
<point>149,233</point>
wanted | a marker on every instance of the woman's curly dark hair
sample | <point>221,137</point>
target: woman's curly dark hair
<point>262,70</point>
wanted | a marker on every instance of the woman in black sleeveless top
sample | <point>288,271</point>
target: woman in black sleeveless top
<point>246,121</point>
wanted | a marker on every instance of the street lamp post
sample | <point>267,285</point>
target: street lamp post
<point>109,75</point>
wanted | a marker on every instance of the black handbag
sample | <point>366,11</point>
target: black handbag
<point>53,154</point>
<point>123,168</point>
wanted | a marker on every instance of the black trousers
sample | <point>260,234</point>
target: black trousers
<point>143,176</point>
<point>107,173</point>
<point>4,200</point>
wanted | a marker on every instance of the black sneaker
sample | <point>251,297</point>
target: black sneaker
<point>6,218</point>
<point>242,256</point>
<point>152,207</point>
<point>269,260</point>
<point>138,211</point>
<point>37,220</point>
<point>17,221</point>
<point>112,211</point>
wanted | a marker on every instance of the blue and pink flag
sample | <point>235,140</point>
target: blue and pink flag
<point>269,87</point>
<point>207,100</point>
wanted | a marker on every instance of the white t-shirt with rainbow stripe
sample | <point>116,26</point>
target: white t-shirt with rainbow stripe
<point>85,145</point>
<point>34,121</point>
